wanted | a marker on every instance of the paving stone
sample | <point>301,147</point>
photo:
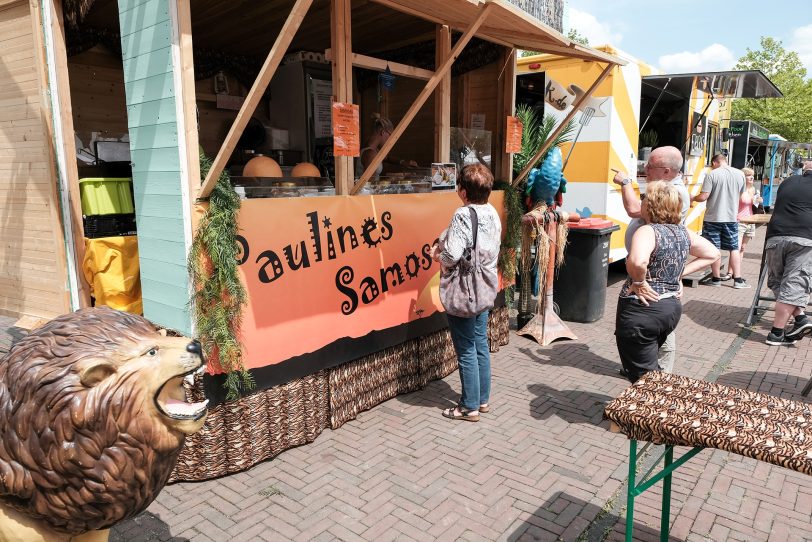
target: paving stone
<point>541,465</point>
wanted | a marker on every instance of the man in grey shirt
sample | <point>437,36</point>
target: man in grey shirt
<point>664,164</point>
<point>722,189</point>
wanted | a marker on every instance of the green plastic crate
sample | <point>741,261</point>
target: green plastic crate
<point>106,196</point>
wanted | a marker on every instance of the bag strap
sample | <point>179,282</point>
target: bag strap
<point>474,224</point>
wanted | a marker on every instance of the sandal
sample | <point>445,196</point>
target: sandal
<point>464,414</point>
<point>726,276</point>
<point>484,408</point>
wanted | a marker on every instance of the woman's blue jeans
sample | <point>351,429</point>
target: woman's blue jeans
<point>470,338</point>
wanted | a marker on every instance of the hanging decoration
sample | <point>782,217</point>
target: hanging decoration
<point>387,80</point>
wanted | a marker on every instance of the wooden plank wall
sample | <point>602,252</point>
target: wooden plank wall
<point>97,94</point>
<point>32,258</point>
<point>153,124</point>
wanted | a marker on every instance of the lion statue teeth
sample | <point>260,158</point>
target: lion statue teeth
<point>93,415</point>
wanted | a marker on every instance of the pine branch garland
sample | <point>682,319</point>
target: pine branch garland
<point>219,296</point>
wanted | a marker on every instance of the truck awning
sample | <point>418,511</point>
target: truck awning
<point>506,24</point>
<point>726,84</point>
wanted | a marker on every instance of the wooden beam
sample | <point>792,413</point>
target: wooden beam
<point>71,173</point>
<point>189,104</point>
<point>267,72</point>
<point>341,43</point>
<point>431,84</point>
<point>409,11</point>
<point>506,107</point>
<point>372,63</point>
<point>563,123</point>
<point>442,98</point>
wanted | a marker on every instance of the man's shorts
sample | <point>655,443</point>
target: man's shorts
<point>789,262</point>
<point>723,235</point>
<point>748,230</point>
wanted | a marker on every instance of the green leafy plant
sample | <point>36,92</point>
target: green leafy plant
<point>535,133</point>
<point>219,296</point>
<point>514,209</point>
<point>648,138</point>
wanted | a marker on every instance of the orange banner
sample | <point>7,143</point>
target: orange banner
<point>327,268</point>
<point>513,135</point>
<point>346,130</point>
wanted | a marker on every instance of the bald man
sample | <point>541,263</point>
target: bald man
<point>664,164</point>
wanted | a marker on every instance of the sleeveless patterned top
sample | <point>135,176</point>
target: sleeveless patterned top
<point>671,244</point>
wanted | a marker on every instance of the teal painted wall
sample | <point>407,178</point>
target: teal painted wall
<point>146,36</point>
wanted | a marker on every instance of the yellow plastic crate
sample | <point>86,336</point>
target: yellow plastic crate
<point>106,196</point>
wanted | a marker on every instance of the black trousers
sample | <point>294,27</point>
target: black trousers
<point>641,330</point>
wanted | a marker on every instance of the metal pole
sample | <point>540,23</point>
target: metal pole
<point>665,518</point>
<point>653,107</point>
<point>630,489</point>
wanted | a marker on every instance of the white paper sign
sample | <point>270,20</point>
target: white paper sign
<point>322,107</point>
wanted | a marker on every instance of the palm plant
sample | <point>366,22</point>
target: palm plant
<point>535,132</point>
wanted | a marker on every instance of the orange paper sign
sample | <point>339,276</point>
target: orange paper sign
<point>513,135</point>
<point>346,130</point>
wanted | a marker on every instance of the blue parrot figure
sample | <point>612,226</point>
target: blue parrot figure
<point>545,182</point>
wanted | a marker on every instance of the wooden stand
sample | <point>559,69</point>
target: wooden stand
<point>545,326</point>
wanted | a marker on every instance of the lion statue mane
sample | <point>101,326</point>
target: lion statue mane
<point>93,415</point>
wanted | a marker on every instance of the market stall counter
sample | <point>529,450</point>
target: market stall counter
<point>343,313</point>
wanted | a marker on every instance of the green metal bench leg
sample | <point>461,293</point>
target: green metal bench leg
<point>630,493</point>
<point>666,512</point>
<point>634,489</point>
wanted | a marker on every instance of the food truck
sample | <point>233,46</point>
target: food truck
<point>111,106</point>
<point>635,109</point>
<point>770,156</point>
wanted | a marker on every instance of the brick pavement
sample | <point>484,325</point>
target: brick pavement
<point>541,466</point>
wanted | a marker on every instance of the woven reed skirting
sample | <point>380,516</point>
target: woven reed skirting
<point>240,434</point>
<point>362,384</point>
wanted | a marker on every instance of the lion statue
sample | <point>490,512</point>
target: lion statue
<point>93,415</point>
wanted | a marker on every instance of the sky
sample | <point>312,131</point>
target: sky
<point>693,35</point>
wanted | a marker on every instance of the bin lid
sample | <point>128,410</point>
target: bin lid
<point>594,226</point>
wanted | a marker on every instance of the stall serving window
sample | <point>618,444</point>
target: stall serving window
<point>714,144</point>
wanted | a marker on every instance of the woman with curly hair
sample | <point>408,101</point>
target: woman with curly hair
<point>649,307</point>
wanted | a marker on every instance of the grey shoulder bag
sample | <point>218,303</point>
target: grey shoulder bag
<point>465,290</point>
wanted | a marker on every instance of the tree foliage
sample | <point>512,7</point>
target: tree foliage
<point>574,35</point>
<point>790,116</point>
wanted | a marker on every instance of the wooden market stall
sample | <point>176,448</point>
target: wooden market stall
<point>342,310</point>
<point>33,274</point>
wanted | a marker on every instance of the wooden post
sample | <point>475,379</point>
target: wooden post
<point>442,98</point>
<point>341,52</point>
<point>71,172</point>
<point>563,124</point>
<point>506,106</point>
<point>189,104</point>
<point>431,84</point>
<point>267,72</point>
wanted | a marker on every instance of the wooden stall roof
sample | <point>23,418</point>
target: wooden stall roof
<point>506,24</point>
<point>252,26</point>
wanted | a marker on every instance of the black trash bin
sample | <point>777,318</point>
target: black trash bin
<point>580,285</point>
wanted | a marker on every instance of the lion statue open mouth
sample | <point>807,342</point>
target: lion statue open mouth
<point>93,415</point>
